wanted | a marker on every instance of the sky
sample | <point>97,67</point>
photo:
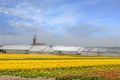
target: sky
<point>61,22</point>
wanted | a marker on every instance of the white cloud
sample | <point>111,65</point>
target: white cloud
<point>26,26</point>
<point>59,18</point>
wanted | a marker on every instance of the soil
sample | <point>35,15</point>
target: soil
<point>113,74</point>
<point>19,78</point>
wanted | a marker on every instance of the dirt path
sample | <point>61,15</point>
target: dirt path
<point>19,78</point>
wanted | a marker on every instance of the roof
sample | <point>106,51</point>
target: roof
<point>37,48</point>
<point>102,49</point>
<point>65,48</point>
<point>16,47</point>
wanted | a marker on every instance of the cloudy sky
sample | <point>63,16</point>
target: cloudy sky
<point>60,22</point>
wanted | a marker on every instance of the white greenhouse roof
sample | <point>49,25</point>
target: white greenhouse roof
<point>65,48</point>
<point>102,49</point>
<point>80,49</point>
<point>16,47</point>
<point>37,48</point>
<point>48,49</point>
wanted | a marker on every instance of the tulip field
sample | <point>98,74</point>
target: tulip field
<point>60,67</point>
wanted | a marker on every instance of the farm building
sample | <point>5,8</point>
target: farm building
<point>15,48</point>
<point>41,49</point>
<point>101,51</point>
<point>87,51</point>
<point>66,49</point>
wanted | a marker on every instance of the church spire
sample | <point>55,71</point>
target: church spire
<point>34,40</point>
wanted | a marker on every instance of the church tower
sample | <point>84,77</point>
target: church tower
<point>34,40</point>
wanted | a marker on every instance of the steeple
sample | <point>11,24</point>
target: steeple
<point>34,40</point>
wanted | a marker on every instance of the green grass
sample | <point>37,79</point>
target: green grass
<point>51,73</point>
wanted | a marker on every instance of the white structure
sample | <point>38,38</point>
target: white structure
<point>88,51</point>
<point>40,49</point>
<point>16,48</point>
<point>37,49</point>
<point>101,51</point>
<point>48,49</point>
<point>65,49</point>
<point>80,50</point>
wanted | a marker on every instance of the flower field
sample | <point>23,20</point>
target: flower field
<point>38,65</point>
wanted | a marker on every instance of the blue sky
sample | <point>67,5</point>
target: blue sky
<point>60,22</point>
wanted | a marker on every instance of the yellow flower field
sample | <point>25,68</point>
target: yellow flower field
<point>33,65</point>
<point>23,56</point>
